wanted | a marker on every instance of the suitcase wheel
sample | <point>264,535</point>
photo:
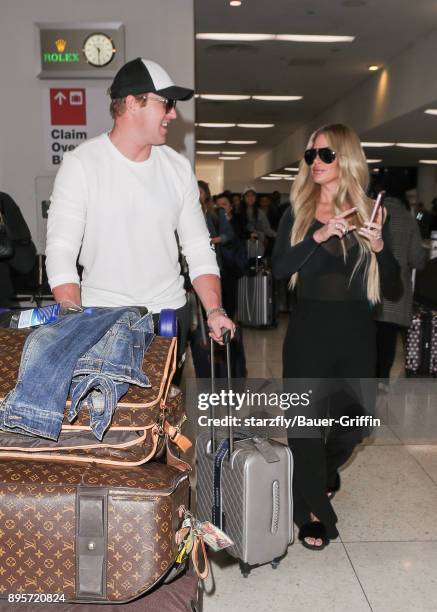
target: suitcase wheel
<point>275,563</point>
<point>245,569</point>
<point>168,324</point>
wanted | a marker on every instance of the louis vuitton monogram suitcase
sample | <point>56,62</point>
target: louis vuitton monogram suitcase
<point>88,533</point>
<point>143,419</point>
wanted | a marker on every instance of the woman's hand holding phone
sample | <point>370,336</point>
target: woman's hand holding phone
<point>372,230</point>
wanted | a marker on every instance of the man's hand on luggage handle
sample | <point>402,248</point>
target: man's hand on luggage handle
<point>216,321</point>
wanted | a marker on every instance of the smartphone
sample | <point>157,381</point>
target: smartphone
<point>379,202</point>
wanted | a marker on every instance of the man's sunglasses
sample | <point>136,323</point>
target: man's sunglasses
<point>326,154</point>
<point>169,103</point>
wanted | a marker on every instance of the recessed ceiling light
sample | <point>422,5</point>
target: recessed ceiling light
<point>235,2</point>
<point>207,152</point>
<point>255,125</point>
<point>292,169</point>
<point>216,125</point>
<point>373,67</point>
<point>290,178</point>
<point>279,175</point>
<point>234,37</point>
<point>277,98</point>
<point>223,97</point>
<point>242,142</point>
<point>314,38</point>
<point>428,161</point>
<point>431,111</point>
<point>377,144</point>
<point>373,161</point>
<point>228,158</point>
<point>270,178</point>
<point>233,152</point>
<point>211,142</point>
<point>416,145</point>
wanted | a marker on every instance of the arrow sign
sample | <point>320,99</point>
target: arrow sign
<point>68,106</point>
<point>59,97</point>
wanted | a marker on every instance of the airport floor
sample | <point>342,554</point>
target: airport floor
<point>386,557</point>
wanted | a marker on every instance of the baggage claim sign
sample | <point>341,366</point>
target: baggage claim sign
<point>67,108</point>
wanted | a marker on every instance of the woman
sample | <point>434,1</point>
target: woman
<point>339,264</point>
<point>256,222</point>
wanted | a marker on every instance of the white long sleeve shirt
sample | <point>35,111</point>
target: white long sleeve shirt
<point>121,216</point>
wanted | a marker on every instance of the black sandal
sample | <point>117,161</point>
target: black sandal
<point>316,530</point>
<point>331,491</point>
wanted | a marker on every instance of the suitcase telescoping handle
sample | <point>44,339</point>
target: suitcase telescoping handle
<point>226,339</point>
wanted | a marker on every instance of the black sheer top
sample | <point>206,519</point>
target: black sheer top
<point>324,274</point>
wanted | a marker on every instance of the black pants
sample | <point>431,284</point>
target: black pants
<point>327,341</point>
<point>183,317</point>
<point>386,339</point>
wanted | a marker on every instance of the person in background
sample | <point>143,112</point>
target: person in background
<point>256,222</point>
<point>233,254</point>
<point>23,257</point>
<point>393,317</point>
<point>424,220</point>
<point>236,201</point>
<point>339,263</point>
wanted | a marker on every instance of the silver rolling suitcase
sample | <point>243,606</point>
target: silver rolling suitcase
<point>244,486</point>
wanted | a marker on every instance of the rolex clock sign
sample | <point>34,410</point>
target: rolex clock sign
<point>82,50</point>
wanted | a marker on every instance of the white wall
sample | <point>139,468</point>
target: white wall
<point>211,171</point>
<point>162,30</point>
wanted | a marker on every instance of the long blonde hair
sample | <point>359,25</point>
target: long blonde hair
<point>352,183</point>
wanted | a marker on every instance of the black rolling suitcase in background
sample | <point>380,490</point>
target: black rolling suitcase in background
<point>421,343</point>
<point>200,352</point>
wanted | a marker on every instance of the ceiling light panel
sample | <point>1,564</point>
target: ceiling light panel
<point>211,142</point>
<point>431,111</point>
<point>377,144</point>
<point>416,145</point>
<point>229,158</point>
<point>292,169</point>
<point>233,152</point>
<point>255,125</point>
<point>216,125</point>
<point>310,38</point>
<point>373,161</point>
<point>277,98</point>
<point>233,37</point>
<point>242,142</point>
<point>270,178</point>
<point>243,37</point>
<point>207,152</point>
<point>280,175</point>
<point>223,97</point>
<point>428,161</point>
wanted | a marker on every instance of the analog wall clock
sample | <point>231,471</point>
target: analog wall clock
<point>98,49</point>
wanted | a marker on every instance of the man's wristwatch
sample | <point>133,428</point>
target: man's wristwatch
<point>211,311</point>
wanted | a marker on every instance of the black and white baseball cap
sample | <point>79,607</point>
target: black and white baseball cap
<point>144,76</point>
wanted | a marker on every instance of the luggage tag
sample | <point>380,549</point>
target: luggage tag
<point>213,536</point>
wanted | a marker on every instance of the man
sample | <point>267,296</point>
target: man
<point>118,200</point>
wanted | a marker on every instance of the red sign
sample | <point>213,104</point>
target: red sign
<point>68,106</point>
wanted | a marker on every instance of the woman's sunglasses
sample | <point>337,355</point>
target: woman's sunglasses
<point>326,154</point>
